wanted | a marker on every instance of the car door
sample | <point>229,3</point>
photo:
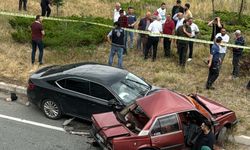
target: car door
<point>166,133</point>
<point>74,96</point>
<point>99,102</point>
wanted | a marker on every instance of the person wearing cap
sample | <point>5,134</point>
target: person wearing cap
<point>206,138</point>
<point>214,63</point>
<point>162,12</point>
<point>155,28</point>
<point>225,40</point>
<point>177,8</point>
<point>116,38</point>
<point>237,53</point>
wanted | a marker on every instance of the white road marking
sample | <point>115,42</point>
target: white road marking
<point>32,123</point>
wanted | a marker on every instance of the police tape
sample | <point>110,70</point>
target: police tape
<point>126,29</point>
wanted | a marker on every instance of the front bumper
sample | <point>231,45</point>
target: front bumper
<point>97,137</point>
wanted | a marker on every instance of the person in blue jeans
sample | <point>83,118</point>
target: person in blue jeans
<point>37,33</point>
<point>131,24</point>
<point>116,38</point>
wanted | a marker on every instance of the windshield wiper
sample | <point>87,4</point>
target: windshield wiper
<point>148,87</point>
<point>128,85</point>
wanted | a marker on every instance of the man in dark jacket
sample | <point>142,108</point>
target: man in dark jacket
<point>182,46</point>
<point>214,63</point>
<point>45,6</point>
<point>143,25</point>
<point>237,53</point>
<point>177,8</point>
<point>116,38</point>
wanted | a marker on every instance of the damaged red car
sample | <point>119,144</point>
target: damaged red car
<point>162,120</point>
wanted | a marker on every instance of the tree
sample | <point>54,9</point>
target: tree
<point>213,9</point>
<point>58,4</point>
<point>241,9</point>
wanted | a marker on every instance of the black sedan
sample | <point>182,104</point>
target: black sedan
<point>83,89</point>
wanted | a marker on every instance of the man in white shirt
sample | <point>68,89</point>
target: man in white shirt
<point>225,39</point>
<point>162,13</point>
<point>179,18</point>
<point>117,12</point>
<point>155,28</point>
<point>194,31</point>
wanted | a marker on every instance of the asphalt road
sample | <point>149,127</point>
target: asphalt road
<point>26,128</point>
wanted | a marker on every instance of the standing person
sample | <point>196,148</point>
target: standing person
<point>179,18</point>
<point>37,33</point>
<point>143,25</point>
<point>123,22</point>
<point>177,8</point>
<point>168,28</point>
<point>116,38</point>
<point>237,53</point>
<point>24,4</point>
<point>217,26</point>
<point>155,28</point>
<point>194,30</point>
<point>182,46</point>
<point>225,39</point>
<point>45,6</point>
<point>206,138</point>
<point>131,23</point>
<point>162,12</point>
<point>116,14</point>
<point>187,13</point>
<point>214,63</point>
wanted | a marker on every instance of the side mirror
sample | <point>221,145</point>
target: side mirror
<point>112,102</point>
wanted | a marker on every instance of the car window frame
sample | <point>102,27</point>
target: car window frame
<point>79,78</point>
<point>157,119</point>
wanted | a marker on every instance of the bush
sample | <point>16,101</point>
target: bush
<point>63,34</point>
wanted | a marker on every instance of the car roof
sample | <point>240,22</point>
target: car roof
<point>164,102</point>
<point>92,71</point>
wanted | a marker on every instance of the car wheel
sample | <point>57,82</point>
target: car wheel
<point>51,109</point>
<point>223,135</point>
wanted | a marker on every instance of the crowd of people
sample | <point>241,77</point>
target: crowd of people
<point>179,23</point>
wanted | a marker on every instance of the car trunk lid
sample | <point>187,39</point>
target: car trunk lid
<point>212,106</point>
<point>108,125</point>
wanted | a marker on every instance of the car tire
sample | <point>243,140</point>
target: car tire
<point>223,135</point>
<point>51,109</point>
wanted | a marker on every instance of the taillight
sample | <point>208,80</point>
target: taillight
<point>31,85</point>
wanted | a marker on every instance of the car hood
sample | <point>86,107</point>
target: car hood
<point>212,106</point>
<point>108,125</point>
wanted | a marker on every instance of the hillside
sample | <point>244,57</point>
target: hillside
<point>16,67</point>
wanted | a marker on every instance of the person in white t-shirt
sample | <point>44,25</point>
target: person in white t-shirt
<point>194,31</point>
<point>225,39</point>
<point>117,12</point>
<point>155,28</point>
<point>162,13</point>
<point>179,18</point>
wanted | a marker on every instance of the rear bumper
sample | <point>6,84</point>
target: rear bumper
<point>93,133</point>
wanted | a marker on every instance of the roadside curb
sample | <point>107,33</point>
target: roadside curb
<point>240,139</point>
<point>13,88</point>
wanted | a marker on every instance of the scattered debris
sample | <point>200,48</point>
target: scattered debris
<point>79,133</point>
<point>8,99</point>
<point>66,122</point>
<point>13,96</point>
